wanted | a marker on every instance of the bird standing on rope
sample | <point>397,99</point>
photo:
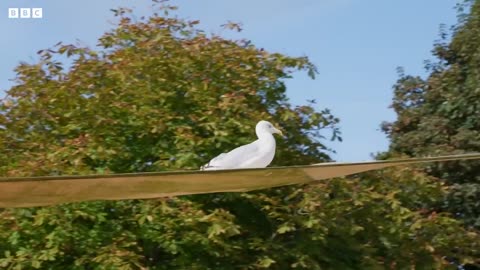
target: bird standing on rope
<point>258,154</point>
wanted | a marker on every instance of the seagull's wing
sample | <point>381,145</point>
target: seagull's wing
<point>234,158</point>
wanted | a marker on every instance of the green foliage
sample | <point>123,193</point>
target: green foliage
<point>377,221</point>
<point>441,115</point>
<point>160,94</point>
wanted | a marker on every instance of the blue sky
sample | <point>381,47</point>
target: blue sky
<point>356,47</point>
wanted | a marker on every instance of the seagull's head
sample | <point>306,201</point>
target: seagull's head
<point>265,126</point>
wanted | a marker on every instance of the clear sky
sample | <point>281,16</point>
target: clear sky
<point>356,45</point>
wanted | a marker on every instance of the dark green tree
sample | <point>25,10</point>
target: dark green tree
<point>160,94</point>
<point>441,114</point>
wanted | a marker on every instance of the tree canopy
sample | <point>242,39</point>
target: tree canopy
<point>441,114</point>
<point>171,91</point>
<point>160,94</point>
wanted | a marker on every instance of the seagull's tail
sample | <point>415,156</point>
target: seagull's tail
<point>207,167</point>
<point>213,164</point>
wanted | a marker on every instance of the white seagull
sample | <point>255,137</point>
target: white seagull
<point>258,154</point>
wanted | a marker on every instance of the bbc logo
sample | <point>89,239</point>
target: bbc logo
<point>24,13</point>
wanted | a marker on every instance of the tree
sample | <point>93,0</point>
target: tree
<point>441,115</point>
<point>161,95</point>
<point>160,83</point>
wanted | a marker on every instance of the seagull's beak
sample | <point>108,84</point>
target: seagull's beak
<point>279,132</point>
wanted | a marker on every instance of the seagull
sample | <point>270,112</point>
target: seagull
<point>258,154</point>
